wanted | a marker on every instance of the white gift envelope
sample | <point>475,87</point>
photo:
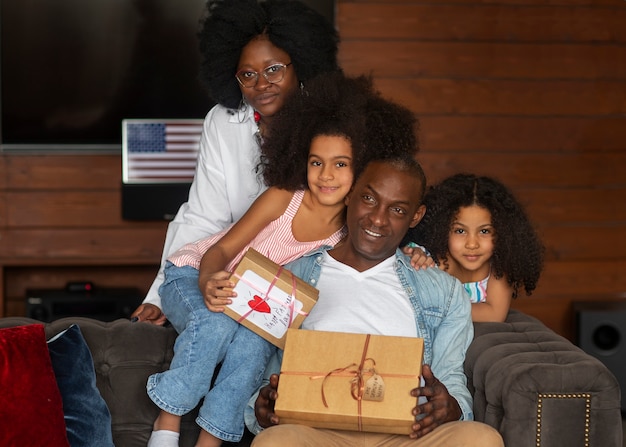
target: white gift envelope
<point>265,305</point>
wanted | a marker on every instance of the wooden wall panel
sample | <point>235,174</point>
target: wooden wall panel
<point>402,58</point>
<point>92,246</point>
<point>479,21</point>
<point>532,93</point>
<point>601,206</point>
<point>64,208</point>
<point>3,200</point>
<point>556,170</point>
<point>69,208</point>
<point>463,133</point>
<point>572,278</point>
<point>60,221</point>
<point>3,173</point>
<point>590,243</point>
<point>82,172</point>
<point>504,97</point>
<point>554,311</point>
<point>585,3</point>
<point>3,210</point>
<point>559,287</point>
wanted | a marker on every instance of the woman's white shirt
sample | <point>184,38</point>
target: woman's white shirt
<point>226,183</point>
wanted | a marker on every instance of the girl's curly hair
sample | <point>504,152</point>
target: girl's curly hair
<point>391,134</point>
<point>336,105</point>
<point>309,39</point>
<point>518,251</point>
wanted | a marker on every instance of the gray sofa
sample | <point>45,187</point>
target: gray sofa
<point>534,386</point>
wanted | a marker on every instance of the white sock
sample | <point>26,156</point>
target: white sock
<point>163,438</point>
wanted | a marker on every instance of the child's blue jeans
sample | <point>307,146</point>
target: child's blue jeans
<point>205,340</point>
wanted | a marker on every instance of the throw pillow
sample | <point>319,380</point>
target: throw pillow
<point>87,416</point>
<point>31,412</point>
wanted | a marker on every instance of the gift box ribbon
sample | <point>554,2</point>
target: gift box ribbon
<point>291,306</point>
<point>357,383</point>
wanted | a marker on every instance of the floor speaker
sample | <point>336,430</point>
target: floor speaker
<point>601,332</point>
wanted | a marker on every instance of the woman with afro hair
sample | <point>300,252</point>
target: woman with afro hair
<point>319,142</point>
<point>476,230</point>
<point>255,55</point>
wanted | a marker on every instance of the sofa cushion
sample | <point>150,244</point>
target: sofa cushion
<point>87,416</point>
<point>31,410</point>
<point>125,354</point>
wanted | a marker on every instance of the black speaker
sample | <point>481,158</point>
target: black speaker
<point>153,201</point>
<point>105,304</point>
<point>601,332</point>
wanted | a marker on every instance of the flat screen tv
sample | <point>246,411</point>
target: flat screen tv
<point>71,70</point>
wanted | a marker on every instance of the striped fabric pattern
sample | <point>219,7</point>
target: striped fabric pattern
<point>276,241</point>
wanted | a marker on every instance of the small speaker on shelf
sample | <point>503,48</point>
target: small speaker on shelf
<point>601,332</point>
<point>82,299</point>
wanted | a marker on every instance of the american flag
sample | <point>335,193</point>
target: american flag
<point>160,150</point>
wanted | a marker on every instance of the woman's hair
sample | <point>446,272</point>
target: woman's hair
<point>309,39</point>
<point>335,105</point>
<point>518,251</point>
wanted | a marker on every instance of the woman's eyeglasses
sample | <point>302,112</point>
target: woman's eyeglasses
<point>273,74</point>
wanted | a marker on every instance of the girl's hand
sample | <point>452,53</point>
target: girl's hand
<point>419,258</point>
<point>213,287</point>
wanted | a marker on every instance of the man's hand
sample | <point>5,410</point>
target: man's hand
<point>149,313</point>
<point>264,404</point>
<point>440,408</point>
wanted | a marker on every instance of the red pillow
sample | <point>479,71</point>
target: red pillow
<point>31,410</point>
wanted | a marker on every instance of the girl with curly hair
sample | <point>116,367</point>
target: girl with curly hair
<point>319,142</point>
<point>476,230</point>
<point>255,55</point>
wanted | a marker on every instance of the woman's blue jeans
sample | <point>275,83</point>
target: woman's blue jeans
<point>206,339</point>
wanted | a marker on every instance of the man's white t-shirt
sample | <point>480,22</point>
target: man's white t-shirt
<point>390,313</point>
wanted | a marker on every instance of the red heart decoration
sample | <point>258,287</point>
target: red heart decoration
<point>259,305</point>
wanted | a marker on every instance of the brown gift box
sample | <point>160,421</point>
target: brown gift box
<point>265,301</point>
<point>323,366</point>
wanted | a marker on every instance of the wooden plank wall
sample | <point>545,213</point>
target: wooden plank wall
<point>531,92</point>
<point>60,221</point>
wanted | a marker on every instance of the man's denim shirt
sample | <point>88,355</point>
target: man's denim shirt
<point>442,317</point>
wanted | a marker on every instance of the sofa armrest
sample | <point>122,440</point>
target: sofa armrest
<point>538,389</point>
